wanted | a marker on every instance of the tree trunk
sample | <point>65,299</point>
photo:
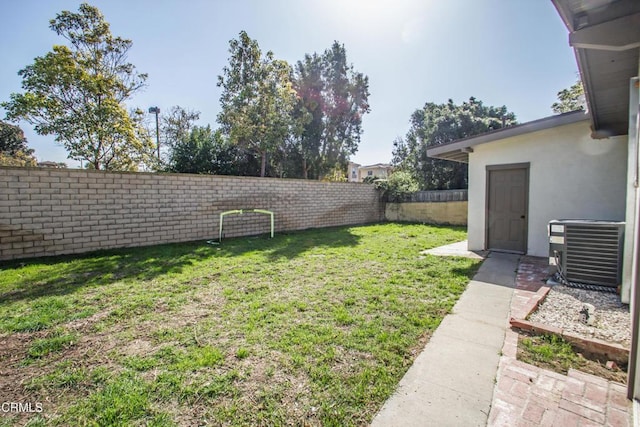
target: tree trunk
<point>305,175</point>
<point>263,167</point>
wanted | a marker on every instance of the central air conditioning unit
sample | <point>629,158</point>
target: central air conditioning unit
<point>586,252</point>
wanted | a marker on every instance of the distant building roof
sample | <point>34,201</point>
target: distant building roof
<point>377,165</point>
<point>48,164</point>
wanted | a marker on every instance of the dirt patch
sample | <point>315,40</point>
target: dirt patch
<point>138,347</point>
<point>14,377</point>
<point>292,390</point>
<point>184,415</point>
<point>18,371</point>
<point>85,323</point>
<point>13,350</point>
<point>554,361</point>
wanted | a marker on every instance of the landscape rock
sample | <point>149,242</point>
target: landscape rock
<point>588,314</point>
<point>562,307</point>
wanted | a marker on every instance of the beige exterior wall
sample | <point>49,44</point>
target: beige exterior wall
<point>453,213</point>
<point>352,172</point>
<point>571,176</point>
<point>376,172</point>
<point>60,211</point>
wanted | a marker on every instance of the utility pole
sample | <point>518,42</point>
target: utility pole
<point>156,110</point>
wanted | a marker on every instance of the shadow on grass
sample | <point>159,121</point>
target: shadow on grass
<point>289,245</point>
<point>469,271</point>
<point>61,275</point>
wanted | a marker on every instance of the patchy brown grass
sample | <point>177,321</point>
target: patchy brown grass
<point>555,354</point>
<point>313,328</point>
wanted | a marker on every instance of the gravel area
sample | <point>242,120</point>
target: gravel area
<point>563,305</point>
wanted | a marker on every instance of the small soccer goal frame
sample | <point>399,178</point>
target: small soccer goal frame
<point>241,212</point>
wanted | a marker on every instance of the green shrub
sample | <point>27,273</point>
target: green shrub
<point>397,186</point>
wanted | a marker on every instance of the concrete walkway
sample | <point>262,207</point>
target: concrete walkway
<point>451,382</point>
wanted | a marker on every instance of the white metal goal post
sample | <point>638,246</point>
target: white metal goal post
<point>242,211</point>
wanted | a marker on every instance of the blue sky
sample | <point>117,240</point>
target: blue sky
<point>503,52</point>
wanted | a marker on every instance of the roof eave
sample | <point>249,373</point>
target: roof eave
<point>605,37</point>
<point>458,151</point>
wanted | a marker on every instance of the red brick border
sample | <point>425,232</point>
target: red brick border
<point>528,396</point>
<point>613,352</point>
<point>530,292</point>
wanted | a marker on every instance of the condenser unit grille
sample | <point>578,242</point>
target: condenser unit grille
<point>592,253</point>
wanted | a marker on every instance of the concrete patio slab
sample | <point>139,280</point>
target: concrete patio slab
<point>456,249</point>
<point>476,330</point>
<point>485,303</point>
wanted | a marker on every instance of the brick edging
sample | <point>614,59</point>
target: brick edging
<point>595,346</point>
<point>613,352</point>
<point>537,299</point>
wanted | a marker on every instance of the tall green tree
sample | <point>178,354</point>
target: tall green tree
<point>12,139</point>
<point>205,151</point>
<point>177,124</point>
<point>348,95</point>
<point>257,98</point>
<point>77,93</point>
<point>570,99</point>
<point>141,154</point>
<point>335,97</point>
<point>14,150</point>
<point>436,124</point>
<point>310,113</point>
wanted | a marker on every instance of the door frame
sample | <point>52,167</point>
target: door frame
<point>489,168</point>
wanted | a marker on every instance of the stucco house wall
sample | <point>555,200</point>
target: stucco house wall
<point>380,170</point>
<point>571,175</point>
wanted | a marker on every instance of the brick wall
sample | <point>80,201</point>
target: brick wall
<point>61,211</point>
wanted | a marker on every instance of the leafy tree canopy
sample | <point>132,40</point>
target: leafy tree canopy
<point>13,147</point>
<point>333,98</point>
<point>257,98</point>
<point>205,151</point>
<point>77,92</point>
<point>398,185</point>
<point>12,139</point>
<point>305,122</point>
<point>177,124</point>
<point>439,124</point>
<point>571,99</point>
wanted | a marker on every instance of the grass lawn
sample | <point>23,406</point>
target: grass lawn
<point>314,328</point>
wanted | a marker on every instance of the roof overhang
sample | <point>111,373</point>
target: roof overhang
<point>605,35</point>
<point>376,166</point>
<point>458,151</point>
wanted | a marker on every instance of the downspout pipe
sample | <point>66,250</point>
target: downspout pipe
<point>633,293</point>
